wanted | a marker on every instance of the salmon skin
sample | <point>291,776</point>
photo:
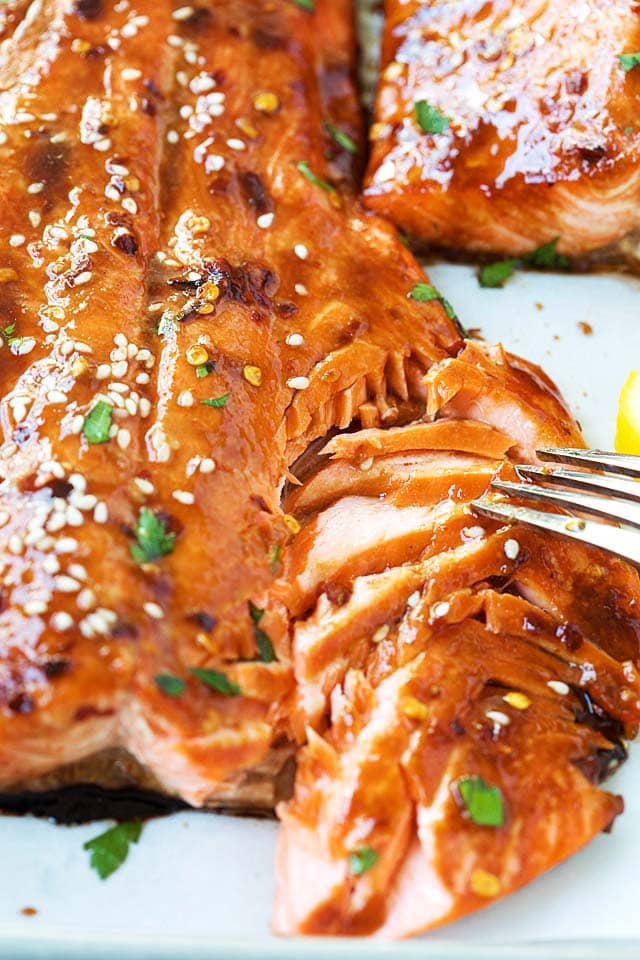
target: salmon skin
<point>239,445</point>
<point>528,129</point>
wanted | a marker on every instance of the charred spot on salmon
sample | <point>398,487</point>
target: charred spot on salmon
<point>205,621</point>
<point>126,242</point>
<point>56,668</point>
<point>601,763</point>
<point>48,163</point>
<point>88,9</point>
<point>255,192</point>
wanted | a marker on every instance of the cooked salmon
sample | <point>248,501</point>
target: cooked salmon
<point>500,127</point>
<point>240,435</point>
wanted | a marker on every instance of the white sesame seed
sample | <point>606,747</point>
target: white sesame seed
<point>207,465</point>
<point>16,239</point>
<point>172,136</point>
<point>119,387</point>
<point>34,607</point>
<point>37,187</point>
<point>301,290</point>
<point>102,145</point>
<point>144,407</point>
<point>439,610</point>
<point>119,369</point>
<point>144,486</point>
<point>511,549</point>
<point>78,482</point>
<point>54,468</point>
<point>301,251</point>
<point>202,83</point>
<point>65,584</point>
<point>214,163</point>
<point>57,396</point>
<point>145,354</point>
<point>131,406</point>
<point>103,371</point>
<point>124,438</point>
<point>143,379</point>
<point>130,205</point>
<point>185,399</point>
<point>82,347</point>
<point>558,686</point>
<point>183,13</point>
<point>101,513</point>
<point>78,571</point>
<point>15,545</point>
<point>115,398</point>
<point>498,717</point>
<point>111,193</point>
<point>130,73</point>
<point>82,278</point>
<point>235,144</point>
<point>86,599</point>
<point>414,599</point>
<point>298,383</point>
<point>183,496</point>
<point>154,610</point>
<point>61,621</point>
<point>66,544</point>
<point>473,533</point>
<point>50,564</point>
<point>294,340</point>
<point>56,522</point>
<point>265,220</point>
<point>35,218</point>
<point>67,348</point>
<point>74,517</point>
<point>381,633</point>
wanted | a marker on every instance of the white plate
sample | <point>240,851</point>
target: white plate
<point>201,886</point>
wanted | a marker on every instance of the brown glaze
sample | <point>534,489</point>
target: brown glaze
<point>543,139</point>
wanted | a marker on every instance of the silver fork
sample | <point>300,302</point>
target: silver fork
<point>607,486</point>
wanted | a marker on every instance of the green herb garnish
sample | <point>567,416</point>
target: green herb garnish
<point>205,369</point>
<point>305,5</point>
<point>217,401</point>
<point>484,803</point>
<point>172,686</point>
<point>97,423</point>
<point>153,540</point>
<point>263,641</point>
<point>425,292</point>
<point>340,137</point>
<point>545,257</point>
<point>430,119</point>
<point>496,274</point>
<point>7,333</point>
<point>307,172</point>
<point>629,60</point>
<point>275,556</point>
<point>362,860</point>
<point>217,681</point>
<point>110,849</point>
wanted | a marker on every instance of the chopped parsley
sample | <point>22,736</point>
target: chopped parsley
<point>307,172</point>
<point>153,539</point>
<point>8,332</point>
<point>629,60</point>
<point>97,422</point>
<point>483,802</point>
<point>545,257</point>
<point>306,5</point>
<point>340,137</point>
<point>172,686</point>
<point>275,556</point>
<point>430,119</point>
<point>217,681</point>
<point>263,641</point>
<point>496,274</point>
<point>205,369</point>
<point>362,860</point>
<point>425,292</point>
<point>216,401</point>
<point>110,849</point>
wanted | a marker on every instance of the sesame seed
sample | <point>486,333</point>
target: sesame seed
<point>144,407</point>
<point>74,517</point>
<point>82,278</point>
<point>54,468</point>
<point>50,564</point>
<point>172,136</point>
<point>144,486</point>
<point>119,387</point>
<point>86,599</point>
<point>66,584</point>
<point>34,607</point>
<point>130,205</point>
<point>511,549</point>
<point>16,239</point>
<point>103,371</point>
<point>35,218</point>
<point>37,187</point>
<point>294,340</point>
<point>235,144</point>
<point>183,496</point>
<point>207,465</point>
<point>473,533</point>
<point>414,599</point>
<point>214,163</point>
<point>143,379</point>
<point>131,406</point>
<point>61,621</point>
<point>123,438</point>
<point>130,73</point>
<point>298,383</point>
<point>154,610</point>
<point>57,396</point>
<point>185,399</point>
<point>558,686</point>
<point>202,83</point>
<point>381,633</point>
<point>183,13</point>
<point>265,220</point>
<point>23,346</point>
<point>15,545</point>
<point>119,369</point>
<point>57,522</point>
<point>439,610</point>
<point>101,513</point>
<point>66,545</point>
<point>83,501</point>
<point>498,717</point>
<point>301,251</point>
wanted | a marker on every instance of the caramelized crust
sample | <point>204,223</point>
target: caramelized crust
<point>542,140</point>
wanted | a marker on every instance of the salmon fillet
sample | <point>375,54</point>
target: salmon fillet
<point>528,128</point>
<point>236,468</point>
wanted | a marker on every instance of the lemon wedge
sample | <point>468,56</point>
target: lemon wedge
<point>628,420</point>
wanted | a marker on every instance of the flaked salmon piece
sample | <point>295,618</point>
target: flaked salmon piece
<point>470,436</point>
<point>524,130</point>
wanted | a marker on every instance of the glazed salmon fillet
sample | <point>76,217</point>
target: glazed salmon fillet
<point>241,433</point>
<point>527,132</point>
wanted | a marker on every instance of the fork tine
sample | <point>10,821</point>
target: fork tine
<point>616,540</point>
<point>610,509</point>
<point>613,486</point>
<point>623,463</point>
